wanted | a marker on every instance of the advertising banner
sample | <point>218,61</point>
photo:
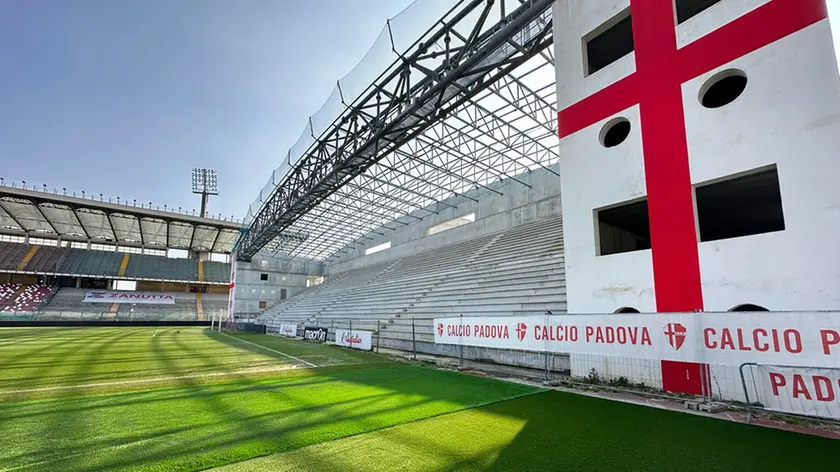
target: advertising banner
<point>145,298</point>
<point>799,390</point>
<point>355,339</point>
<point>288,329</point>
<point>792,338</point>
<point>311,333</point>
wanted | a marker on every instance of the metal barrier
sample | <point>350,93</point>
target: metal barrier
<point>801,391</point>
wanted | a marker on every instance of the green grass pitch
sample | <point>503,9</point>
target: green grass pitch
<point>74,399</point>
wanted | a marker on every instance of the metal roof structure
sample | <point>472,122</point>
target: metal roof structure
<point>47,215</point>
<point>468,102</point>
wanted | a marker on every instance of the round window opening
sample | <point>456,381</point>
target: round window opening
<point>615,132</point>
<point>748,307</point>
<point>627,309</point>
<point>723,88</point>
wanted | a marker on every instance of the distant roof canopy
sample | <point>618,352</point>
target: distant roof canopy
<point>45,215</point>
<point>427,115</point>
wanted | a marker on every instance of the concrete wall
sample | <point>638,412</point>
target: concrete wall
<point>282,274</point>
<point>518,204</point>
<point>789,115</point>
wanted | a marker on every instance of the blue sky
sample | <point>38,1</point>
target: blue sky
<point>125,97</point>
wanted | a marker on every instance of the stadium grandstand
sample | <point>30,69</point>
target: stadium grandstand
<point>56,249</point>
<point>444,203</point>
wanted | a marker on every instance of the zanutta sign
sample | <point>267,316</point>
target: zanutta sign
<point>807,339</point>
<point>147,298</point>
<point>354,339</point>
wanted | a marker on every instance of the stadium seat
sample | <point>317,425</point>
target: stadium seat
<point>27,300</point>
<point>47,259</point>
<point>11,254</point>
<point>517,271</point>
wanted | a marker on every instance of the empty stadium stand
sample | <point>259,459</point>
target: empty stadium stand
<point>216,271</point>
<point>44,259</point>
<point>68,303</point>
<point>92,263</point>
<point>517,271</point>
<point>16,298</point>
<point>8,292</point>
<point>11,255</point>
<point>151,267</point>
<point>82,262</point>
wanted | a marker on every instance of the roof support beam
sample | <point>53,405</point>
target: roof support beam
<point>111,225</point>
<point>79,220</point>
<point>12,216</point>
<point>44,216</point>
<point>372,127</point>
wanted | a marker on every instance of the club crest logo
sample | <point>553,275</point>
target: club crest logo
<point>521,329</point>
<point>440,329</point>
<point>675,332</point>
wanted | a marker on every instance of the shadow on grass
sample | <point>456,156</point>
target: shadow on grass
<point>197,426</point>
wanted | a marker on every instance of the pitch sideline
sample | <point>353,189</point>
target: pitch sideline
<point>269,349</point>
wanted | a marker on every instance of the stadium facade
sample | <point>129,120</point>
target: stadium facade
<point>690,171</point>
<point>70,257</point>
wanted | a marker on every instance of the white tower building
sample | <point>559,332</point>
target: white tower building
<point>699,154</point>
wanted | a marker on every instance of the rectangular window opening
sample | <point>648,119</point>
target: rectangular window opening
<point>741,206</point>
<point>609,42</point>
<point>43,242</point>
<point>313,281</point>
<point>130,285</point>
<point>102,247</point>
<point>263,304</point>
<point>687,9</point>
<point>283,294</point>
<point>378,248</point>
<point>7,238</point>
<point>453,223</point>
<point>219,257</point>
<point>623,228</point>
<point>263,276</point>
<point>177,253</point>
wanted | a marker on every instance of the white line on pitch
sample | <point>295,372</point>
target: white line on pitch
<point>156,331</point>
<point>269,349</point>
<point>161,379</point>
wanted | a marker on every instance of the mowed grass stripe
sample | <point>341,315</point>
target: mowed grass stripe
<point>196,427</point>
<point>560,431</point>
<point>94,355</point>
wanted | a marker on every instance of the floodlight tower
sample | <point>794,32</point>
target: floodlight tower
<point>205,183</point>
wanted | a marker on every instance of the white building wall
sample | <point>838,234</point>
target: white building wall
<point>788,115</point>
<point>509,204</point>
<point>282,274</point>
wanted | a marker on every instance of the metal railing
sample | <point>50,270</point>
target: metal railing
<point>800,391</point>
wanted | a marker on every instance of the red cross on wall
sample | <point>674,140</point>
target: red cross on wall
<point>661,69</point>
